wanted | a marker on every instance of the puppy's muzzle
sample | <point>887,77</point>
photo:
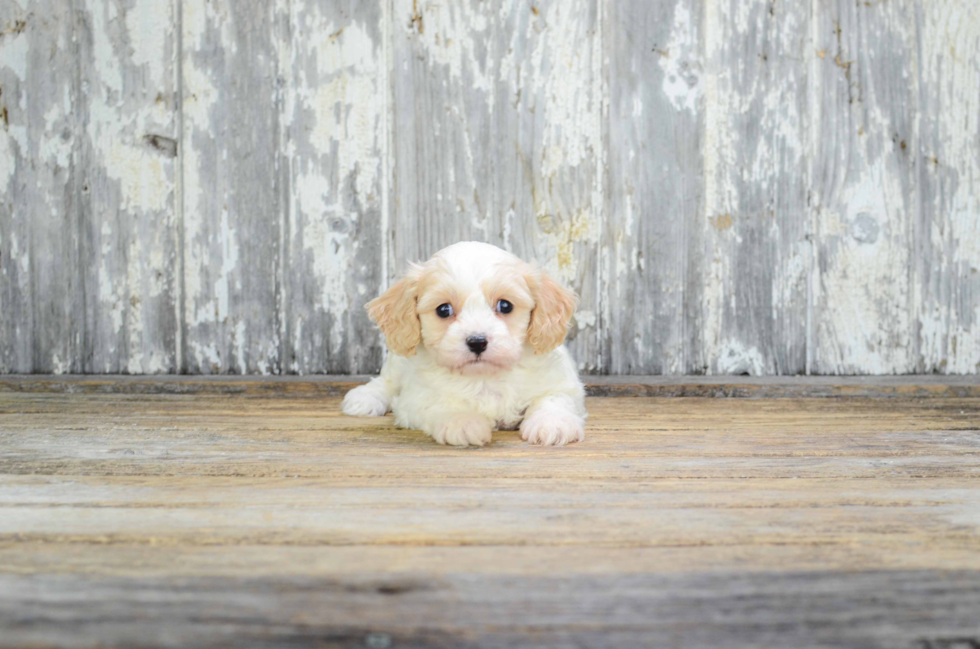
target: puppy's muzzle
<point>477,344</point>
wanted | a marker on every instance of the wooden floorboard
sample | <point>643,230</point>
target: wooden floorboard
<point>318,386</point>
<point>160,519</point>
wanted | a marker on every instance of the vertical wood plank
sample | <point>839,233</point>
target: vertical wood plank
<point>38,179</point>
<point>947,233</point>
<point>652,274</point>
<point>127,58</point>
<point>335,110</point>
<point>497,133</point>
<point>755,221</point>
<point>230,187</point>
<point>863,186</point>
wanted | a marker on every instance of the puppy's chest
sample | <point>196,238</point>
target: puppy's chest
<point>497,400</point>
<point>491,395</point>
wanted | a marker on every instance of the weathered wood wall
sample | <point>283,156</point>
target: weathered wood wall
<point>732,186</point>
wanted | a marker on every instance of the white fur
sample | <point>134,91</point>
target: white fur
<point>459,398</point>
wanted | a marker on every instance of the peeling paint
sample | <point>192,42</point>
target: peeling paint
<point>850,223</point>
<point>585,319</point>
<point>450,39</point>
<point>680,60</point>
<point>228,239</point>
<point>144,183</point>
<point>130,190</point>
<point>863,313</point>
<point>56,149</point>
<point>735,358</point>
<point>338,83</point>
<point>755,182</point>
<point>716,108</point>
<point>348,107</point>
<point>570,108</point>
<point>947,298</point>
<point>562,236</point>
<point>8,160</point>
<point>149,24</point>
<point>200,98</point>
<point>13,53</point>
<point>218,337</point>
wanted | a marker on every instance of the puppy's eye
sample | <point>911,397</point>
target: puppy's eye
<point>444,310</point>
<point>503,306</point>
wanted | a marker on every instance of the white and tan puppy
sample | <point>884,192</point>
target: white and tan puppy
<point>475,339</point>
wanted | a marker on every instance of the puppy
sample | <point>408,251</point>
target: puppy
<point>475,338</point>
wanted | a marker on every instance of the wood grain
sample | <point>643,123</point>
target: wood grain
<point>890,609</point>
<point>654,198</point>
<point>947,230</point>
<point>40,290</point>
<point>733,188</point>
<point>863,187</point>
<point>336,99</point>
<point>755,224</point>
<point>920,386</point>
<point>128,172</point>
<point>232,205</point>
<point>205,520</point>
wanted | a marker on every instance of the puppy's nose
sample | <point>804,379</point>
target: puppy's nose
<point>477,344</point>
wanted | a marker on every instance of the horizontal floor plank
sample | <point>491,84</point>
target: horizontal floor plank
<point>206,512</point>
<point>628,439</point>
<point>134,560</point>
<point>800,609</point>
<point>760,387</point>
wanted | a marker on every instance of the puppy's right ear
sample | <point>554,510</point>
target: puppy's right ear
<point>394,312</point>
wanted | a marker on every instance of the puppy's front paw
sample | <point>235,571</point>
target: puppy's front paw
<point>463,430</point>
<point>553,427</point>
<point>362,401</point>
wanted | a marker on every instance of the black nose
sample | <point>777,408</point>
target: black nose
<point>477,344</point>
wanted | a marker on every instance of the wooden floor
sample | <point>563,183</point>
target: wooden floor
<point>237,520</point>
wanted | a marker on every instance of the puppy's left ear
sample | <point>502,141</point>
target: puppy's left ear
<point>553,308</point>
<point>395,314</point>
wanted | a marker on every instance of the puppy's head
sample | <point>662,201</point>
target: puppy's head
<point>474,306</point>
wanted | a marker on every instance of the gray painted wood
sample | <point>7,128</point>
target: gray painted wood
<point>127,55</point>
<point>231,201</point>
<point>760,187</point>
<point>947,230</point>
<point>497,137</point>
<point>39,283</point>
<point>335,108</point>
<point>862,187</point>
<point>654,195</point>
<point>757,255</point>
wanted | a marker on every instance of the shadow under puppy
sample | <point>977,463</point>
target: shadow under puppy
<point>475,338</point>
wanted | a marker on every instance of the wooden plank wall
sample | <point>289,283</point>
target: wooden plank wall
<point>732,186</point>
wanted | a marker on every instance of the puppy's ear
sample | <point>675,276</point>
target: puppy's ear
<point>394,312</point>
<point>553,308</point>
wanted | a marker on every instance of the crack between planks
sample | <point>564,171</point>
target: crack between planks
<point>180,330</point>
<point>812,267</point>
<point>283,178</point>
<point>598,91</point>
<point>78,334</point>
<point>387,164</point>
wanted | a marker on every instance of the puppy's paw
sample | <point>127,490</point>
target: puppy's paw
<point>553,427</point>
<point>362,401</point>
<point>463,430</point>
